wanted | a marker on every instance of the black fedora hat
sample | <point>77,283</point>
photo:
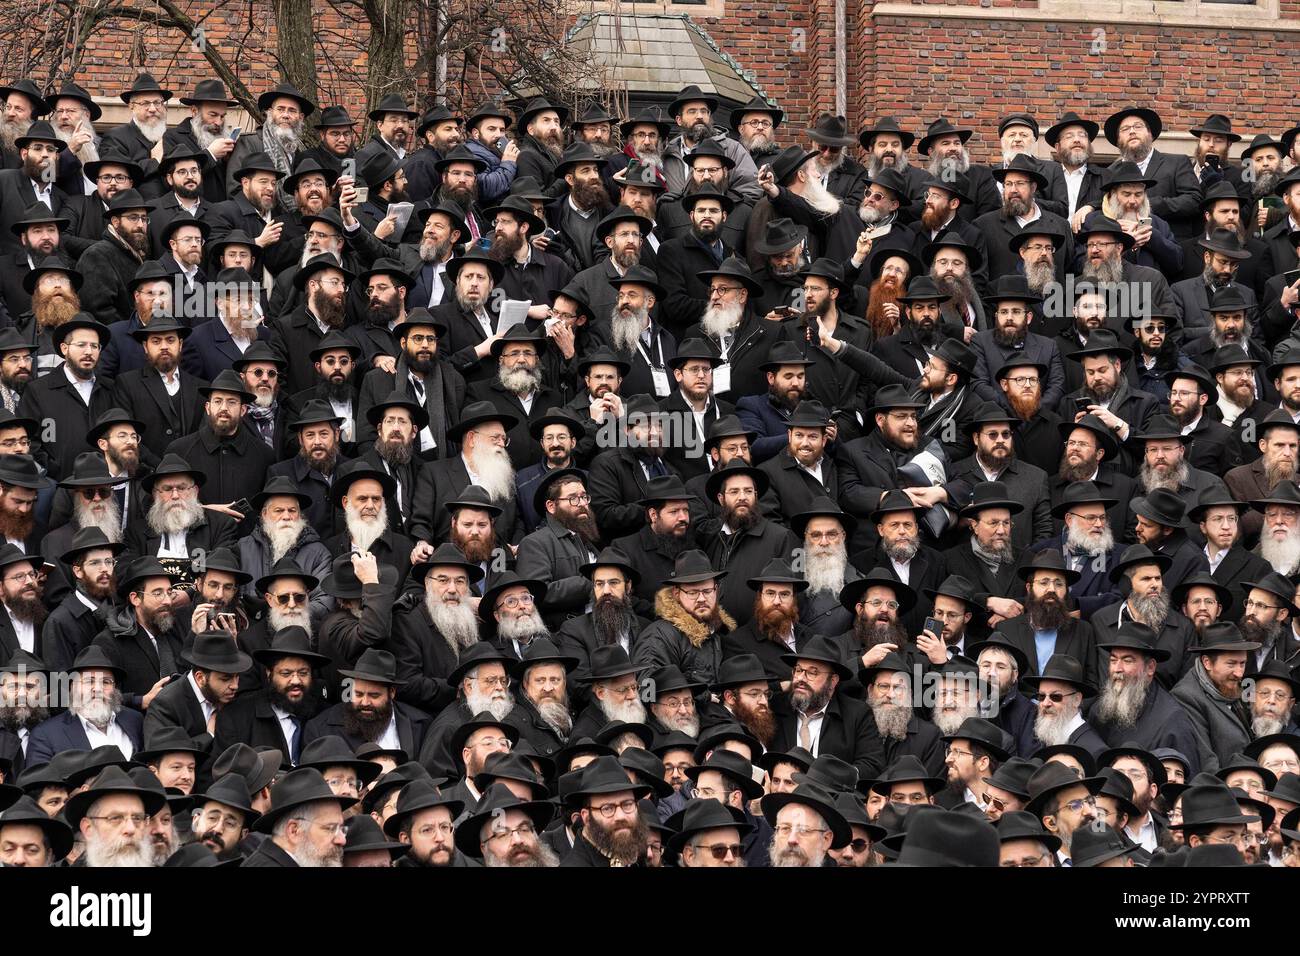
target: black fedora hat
<point>417,795</point>
<point>455,215</point>
<point>739,670</point>
<point>938,129</point>
<point>90,470</point>
<point>1210,806</point>
<point>504,582</point>
<point>1274,669</point>
<point>89,539</point>
<point>921,288</point>
<point>1053,777</point>
<point>479,413</point>
<point>636,174</point>
<point>796,757</point>
<point>1286,493</point>
<point>611,557</point>
<point>948,839</point>
<point>1219,637</point>
<point>21,471</point>
<point>999,640</point>
<point>734,267</point>
<point>476,498</point>
<point>342,581</point>
<point>375,665</point>
<point>855,591</point>
<point>820,507</point>
<point>502,765</point>
<point>830,773</point>
<point>1070,118</point>
<point>142,569</point>
<point>209,91</point>
<point>1025,165</point>
<point>145,83</point>
<point>462,155</point>
<point>333,751</point>
<point>907,769</point>
<point>606,775</point>
<point>419,415</point>
<point>1080,493</point>
<point>736,467</point>
<point>701,816</point>
<point>783,353</point>
<point>1136,555</point>
<point>522,210</point>
<point>955,586</point>
<point>1162,507</point>
<point>46,265</point>
<point>1133,636</point>
<point>1178,596</point>
<point>692,94</point>
<point>1099,224</point>
<point>555,415</point>
<point>821,650</point>
<point>286,90</point>
<point>169,740</point>
<point>82,320</point>
<point>642,276</point>
<point>40,132</point>
<point>732,766</point>
<point>477,654</point>
<point>496,803</point>
<point>1013,776</point>
<point>779,235</point>
<point>480,721</point>
<point>952,182</point>
<point>831,130</point>
<point>1239,762</point>
<point>39,104</point>
<point>814,797</point>
<point>1257,746</point>
<point>621,214</point>
<point>1019,825</point>
<point>1276,585</point>
<point>1104,437</point>
<point>1063,668</point>
<point>228,381</point>
<point>317,264</point>
<point>990,494</point>
<point>888,125</point>
<point>365,835</point>
<point>24,811</point>
<point>74,91</point>
<point>693,567</point>
<point>290,642</point>
<point>519,335</point>
<point>985,733</point>
<point>1218,125</point>
<point>1150,117</point>
<point>1263,141</point>
<point>171,464</point>
<point>602,355</point>
<point>778,571</point>
<point>38,214</point>
<point>280,487</point>
<point>718,734</point>
<point>757,104</point>
<point>446,555</point>
<point>1098,844</point>
<point>112,780</point>
<point>788,162</point>
<point>299,788</point>
<point>542,650</point>
<point>217,651</point>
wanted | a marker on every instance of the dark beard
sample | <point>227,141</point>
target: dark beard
<point>338,391</point>
<point>590,195</point>
<point>1010,339</point>
<point>302,709</point>
<point>761,724</point>
<point>328,309</point>
<point>1046,615</point>
<point>737,524</point>
<point>504,248</point>
<point>16,527</point>
<point>627,846</point>
<point>1265,635</point>
<point>462,196</point>
<point>584,528</point>
<point>395,453</point>
<point>671,545</point>
<point>367,728</point>
<point>30,610</point>
<point>1080,472</point>
<point>611,618</point>
<point>382,314</point>
<point>14,719</point>
<point>325,467</point>
<point>782,399</point>
<point>879,632</point>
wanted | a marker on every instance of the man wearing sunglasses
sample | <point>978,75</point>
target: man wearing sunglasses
<point>1063,802</point>
<point>1058,693</point>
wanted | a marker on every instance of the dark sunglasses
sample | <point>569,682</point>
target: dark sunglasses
<point>293,597</point>
<point>1055,697</point>
<point>94,494</point>
<point>719,851</point>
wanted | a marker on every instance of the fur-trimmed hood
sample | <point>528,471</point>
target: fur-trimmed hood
<point>670,609</point>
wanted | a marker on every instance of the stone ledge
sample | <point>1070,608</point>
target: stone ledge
<point>1261,17</point>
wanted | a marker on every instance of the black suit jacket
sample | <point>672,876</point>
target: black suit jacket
<point>142,395</point>
<point>57,407</point>
<point>793,488</point>
<point>411,727</point>
<point>442,481</point>
<point>848,731</point>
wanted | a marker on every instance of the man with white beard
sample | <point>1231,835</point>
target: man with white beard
<point>362,493</point>
<point>279,138</point>
<point>903,732</point>
<point>672,706</point>
<point>281,532</point>
<point>957,695</point>
<point>794,182</point>
<point>823,528</point>
<point>482,686</point>
<point>136,138</point>
<point>1279,542</point>
<point>432,631</point>
<point>615,692</point>
<point>1105,243</point>
<point>1274,697</point>
<point>1058,693</point>
<point>519,384</point>
<point>541,710</point>
<point>206,130</point>
<point>92,494</point>
<point>304,824</point>
<point>1272,461</point>
<point>176,523</point>
<point>1176,191</point>
<point>484,461</point>
<point>1135,707</point>
<point>509,612</point>
<point>1148,602</point>
<point>318,463</point>
<point>112,815</point>
<point>95,716</point>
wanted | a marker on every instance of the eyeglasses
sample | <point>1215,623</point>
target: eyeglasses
<point>962,753</point>
<point>442,829</point>
<point>174,489</point>
<point>1253,605</point>
<point>442,580</point>
<point>495,681</point>
<point>524,829</point>
<point>1074,806</point>
<point>113,178</point>
<point>96,563</point>
<point>290,597</point>
<point>516,601</point>
<point>21,577</point>
<point>575,500</point>
<point>719,851</point>
<point>1055,696</point>
<point>94,494</point>
<point>1024,381</point>
<point>1024,861</point>
<point>502,440</point>
<point>812,673</point>
<point>784,830</point>
<point>876,604</point>
<point>694,593</point>
<point>1091,519</point>
<point>607,810</point>
<point>117,819</point>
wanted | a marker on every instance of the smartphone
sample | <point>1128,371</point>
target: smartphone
<point>1212,161</point>
<point>1271,202</point>
<point>1290,278</point>
<point>1144,221</point>
<point>363,193</point>
<point>549,233</point>
<point>243,506</point>
<point>814,329</point>
<point>784,311</point>
<point>934,626</point>
<point>1082,404</point>
<point>765,168</point>
<point>234,133</point>
<point>501,144</point>
<point>878,231</point>
<point>226,619</point>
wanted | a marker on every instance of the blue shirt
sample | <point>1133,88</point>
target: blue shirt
<point>1045,643</point>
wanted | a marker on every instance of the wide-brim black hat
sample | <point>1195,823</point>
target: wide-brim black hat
<point>1150,117</point>
<point>112,780</point>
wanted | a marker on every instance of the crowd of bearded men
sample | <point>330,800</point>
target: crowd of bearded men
<point>544,487</point>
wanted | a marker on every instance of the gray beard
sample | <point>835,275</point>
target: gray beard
<point>825,572</point>
<point>1284,555</point>
<point>1108,271</point>
<point>626,330</point>
<point>1002,555</point>
<point>1039,274</point>
<point>1120,703</point>
<point>874,165</point>
<point>283,537</point>
<point>173,517</point>
<point>98,712</point>
<point>523,630</point>
<point>152,131</point>
<point>721,320</point>
<point>892,719</point>
<point>496,475</point>
<point>110,523</point>
<point>1080,540</point>
<point>205,137</point>
<point>820,198</point>
<point>870,215</point>
<point>1151,611</point>
<point>556,715</point>
<point>543,857</point>
<point>903,550</point>
<point>689,724</point>
<point>520,381</point>
<point>1266,726</point>
<point>115,853</point>
<point>289,138</point>
<point>457,623</point>
<point>1264,184</point>
<point>1172,481</point>
<point>280,618</point>
<point>630,712</point>
<point>1135,154</point>
<point>959,163</point>
<point>949,720</point>
<point>1053,729</point>
<point>1220,339</point>
<point>366,531</point>
<point>499,708</point>
<point>785,855</point>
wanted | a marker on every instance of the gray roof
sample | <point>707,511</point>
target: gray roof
<point>661,54</point>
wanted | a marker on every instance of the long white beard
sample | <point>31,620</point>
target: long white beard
<point>820,198</point>
<point>98,712</point>
<point>720,320</point>
<point>958,164</point>
<point>949,720</point>
<point>109,522</point>
<point>1053,729</point>
<point>308,857</point>
<point>626,330</point>
<point>173,517</point>
<point>280,618</point>
<point>289,138</point>
<point>523,628</point>
<point>1078,539</point>
<point>135,851</point>
<point>366,531</point>
<point>825,572</point>
<point>544,858</point>
<point>152,131</point>
<point>499,707</point>
<point>1121,701</point>
<point>282,536</point>
<point>89,151</point>
<point>1283,555</point>
<point>629,711</point>
<point>204,137</point>
<point>457,623</point>
<point>1151,610</point>
<point>892,719</point>
<point>496,475</point>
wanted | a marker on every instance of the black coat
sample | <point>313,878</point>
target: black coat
<point>378,385</point>
<point>464,335</point>
<point>1161,723</point>
<point>922,742</point>
<point>616,481</point>
<point>848,731</point>
<point>687,455</point>
<point>747,640</point>
<point>746,352</point>
<point>554,554</point>
<point>743,556</point>
<point>961,559</point>
<point>107,268</point>
<point>67,632</point>
<point>411,727</point>
<point>294,336</point>
<point>1214,447</point>
<point>524,449</point>
<point>16,194</point>
<point>176,706</point>
<point>57,407</point>
<point>214,171</point>
<point>533,729</point>
<point>125,640</point>
<point>142,395</point>
<point>442,481</point>
<point>236,467</point>
<point>577,638</point>
<point>269,854</point>
<point>679,263</point>
<point>1112,483</point>
<point>424,658</point>
<point>249,719</point>
<point>213,531</point>
<point>925,570</point>
<point>1025,484</point>
<point>1076,640</point>
<point>210,350</point>
<point>793,488</point>
<point>1175,637</point>
<point>1176,196</point>
<point>238,213</point>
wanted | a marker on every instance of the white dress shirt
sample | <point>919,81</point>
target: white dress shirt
<point>112,734</point>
